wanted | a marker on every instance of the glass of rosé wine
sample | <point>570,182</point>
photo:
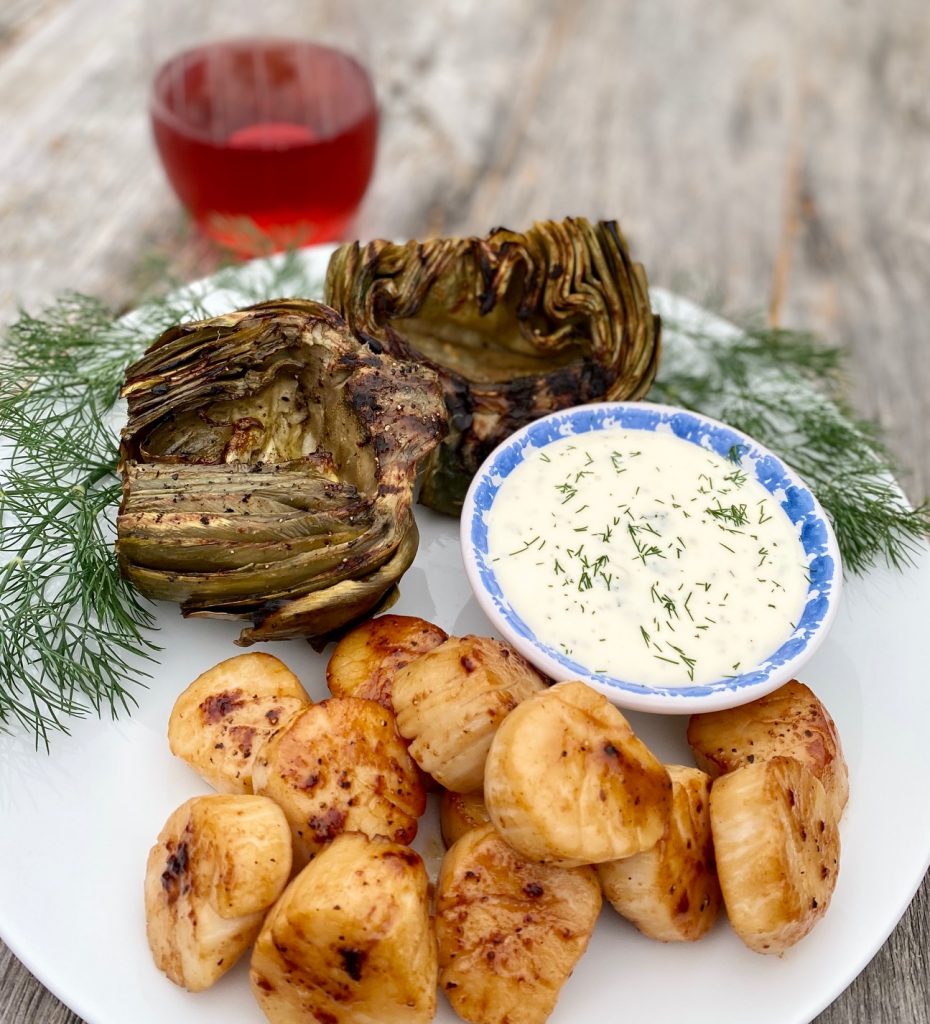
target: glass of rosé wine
<point>264,116</point>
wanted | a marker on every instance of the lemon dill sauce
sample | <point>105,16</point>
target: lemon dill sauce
<point>645,557</point>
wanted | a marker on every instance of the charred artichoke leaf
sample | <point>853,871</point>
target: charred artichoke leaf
<point>517,325</point>
<point>268,465</point>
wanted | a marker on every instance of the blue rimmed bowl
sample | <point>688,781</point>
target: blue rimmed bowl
<point>788,491</point>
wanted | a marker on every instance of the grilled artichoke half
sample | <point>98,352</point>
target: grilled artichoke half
<point>268,468</point>
<point>516,325</point>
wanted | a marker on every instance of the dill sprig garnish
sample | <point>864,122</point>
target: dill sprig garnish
<point>784,389</point>
<point>74,636</point>
<point>71,630</point>
<point>734,514</point>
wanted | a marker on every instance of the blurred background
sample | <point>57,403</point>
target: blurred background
<point>761,157</point>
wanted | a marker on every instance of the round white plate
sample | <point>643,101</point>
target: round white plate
<point>76,824</point>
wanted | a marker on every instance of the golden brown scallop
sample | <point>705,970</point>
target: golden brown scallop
<point>671,892</point>
<point>567,781</point>
<point>340,766</point>
<point>460,813</point>
<point>791,721</point>
<point>350,941</point>
<point>218,864</point>
<point>450,702</point>
<point>777,846</point>
<point>366,660</point>
<point>221,720</point>
<point>510,931</point>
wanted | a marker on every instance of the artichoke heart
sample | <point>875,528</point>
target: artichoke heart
<point>268,467</point>
<point>517,325</point>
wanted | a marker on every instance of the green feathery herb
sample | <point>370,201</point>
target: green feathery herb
<point>734,514</point>
<point>70,628</point>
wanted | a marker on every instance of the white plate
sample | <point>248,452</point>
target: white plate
<point>77,825</point>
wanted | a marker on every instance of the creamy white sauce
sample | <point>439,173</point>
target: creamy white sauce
<point>647,558</point>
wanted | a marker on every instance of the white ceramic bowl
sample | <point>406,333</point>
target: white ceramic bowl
<point>787,489</point>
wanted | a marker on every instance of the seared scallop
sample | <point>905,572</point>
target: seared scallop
<point>221,720</point>
<point>510,931</point>
<point>790,721</point>
<point>366,660</point>
<point>671,892</point>
<point>340,766</point>
<point>350,941</point>
<point>567,781</point>
<point>777,846</point>
<point>460,813</point>
<point>450,702</point>
<point>218,864</point>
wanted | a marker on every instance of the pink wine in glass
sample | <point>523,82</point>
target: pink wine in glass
<point>269,143</point>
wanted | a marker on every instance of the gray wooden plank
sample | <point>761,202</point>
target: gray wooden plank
<point>19,18</point>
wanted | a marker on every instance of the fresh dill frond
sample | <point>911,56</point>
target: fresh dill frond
<point>783,388</point>
<point>69,625</point>
<point>74,635</point>
<point>734,514</point>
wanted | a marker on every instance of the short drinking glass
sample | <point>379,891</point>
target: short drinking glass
<point>264,116</point>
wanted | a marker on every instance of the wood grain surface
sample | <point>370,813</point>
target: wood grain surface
<point>771,157</point>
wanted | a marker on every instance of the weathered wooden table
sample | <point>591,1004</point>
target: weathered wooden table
<point>770,157</point>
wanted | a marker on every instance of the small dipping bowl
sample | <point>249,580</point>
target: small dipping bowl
<point>822,575</point>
